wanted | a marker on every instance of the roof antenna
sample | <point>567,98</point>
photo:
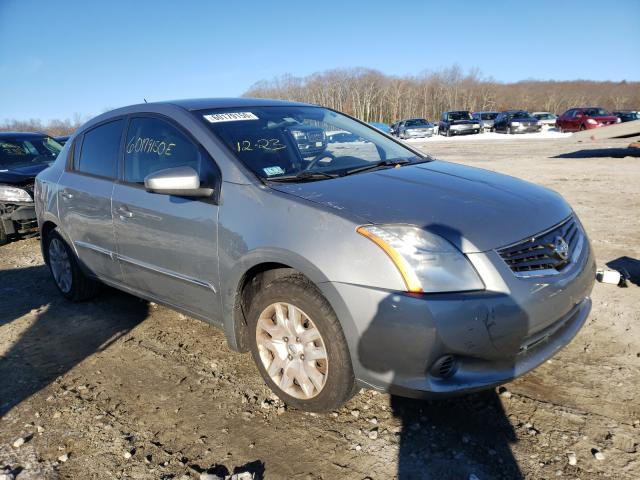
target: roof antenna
<point>145,100</point>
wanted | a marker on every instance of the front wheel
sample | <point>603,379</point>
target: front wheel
<point>299,347</point>
<point>65,270</point>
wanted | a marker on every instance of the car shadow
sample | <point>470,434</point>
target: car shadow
<point>629,267</point>
<point>60,335</point>
<point>601,152</point>
<point>457,436</point>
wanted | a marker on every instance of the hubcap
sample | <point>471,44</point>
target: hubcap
<point>60,265</point>
<point>292,350</point>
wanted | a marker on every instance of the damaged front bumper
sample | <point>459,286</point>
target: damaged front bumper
<point>18,218</point>
<point>432,345</point>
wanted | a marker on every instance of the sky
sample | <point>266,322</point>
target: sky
<point>62,58</point>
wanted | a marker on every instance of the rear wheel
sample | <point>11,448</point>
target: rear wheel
<point>509,131</point>
<point>65,270</point>
<point>299,347</point>
<point>582,128</point>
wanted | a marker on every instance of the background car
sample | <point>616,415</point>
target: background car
<point>516,121</point>
<point>22,157</point>
<point>414,128</point>
<point>393,129</point>
<point>585,118</point>
<point>546,119</point>
<point>342,137</point>
<point>485,119</point>
<point>311,140</point>
<point>458,122</point>
<point>383,127</point>
<point>627,115</point>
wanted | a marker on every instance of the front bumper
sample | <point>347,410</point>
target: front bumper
<point>19,218</point>
<point>418,134</point>
<point>494,335</point>
<point>464,129</point>
<point>526,128</point>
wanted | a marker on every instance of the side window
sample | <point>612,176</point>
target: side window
<point>99,151</point>
<point>154,144</point>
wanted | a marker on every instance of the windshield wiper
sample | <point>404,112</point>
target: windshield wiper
<point>378,165</point>
<point>303,175</point>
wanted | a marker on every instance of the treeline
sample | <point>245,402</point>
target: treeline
<point>375,97</point>
<point>53,127</point>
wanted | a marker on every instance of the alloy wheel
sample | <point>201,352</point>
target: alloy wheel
<point>60,265</point>
<point>292,350</point>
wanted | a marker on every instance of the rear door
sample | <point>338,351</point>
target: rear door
<point>84,197</point>
<point>167,244</point>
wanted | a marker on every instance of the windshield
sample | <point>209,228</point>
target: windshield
<point>596,112</point>
<point>284,141</point>
<point>544,116</point>
<point>455,116</point>
<point>418,122</point>
<point>489,116</point>
<point>521,114</point>
<point>20,152</point>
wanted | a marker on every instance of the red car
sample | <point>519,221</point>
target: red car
<point>584,118</point>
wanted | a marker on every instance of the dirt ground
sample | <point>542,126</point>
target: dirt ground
<point>120,388</point>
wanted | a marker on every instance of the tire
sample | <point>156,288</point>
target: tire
<point>448,133</point>
<point>332,382</point>
<point>4,239</point>
<point>582,128</point>
<point>509,131</point>
<point>560,129</point>
<point>65,270</point>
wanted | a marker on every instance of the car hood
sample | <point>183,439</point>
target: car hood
<point>463,122</point>
<point>476,210</point>
<point>21,175</point>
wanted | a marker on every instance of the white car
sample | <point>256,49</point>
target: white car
<point>547,120</point>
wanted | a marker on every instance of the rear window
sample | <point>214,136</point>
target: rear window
<point>489,116</point>
<point>99,153</point>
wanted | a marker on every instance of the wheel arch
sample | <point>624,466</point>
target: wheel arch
<point>248,275</point>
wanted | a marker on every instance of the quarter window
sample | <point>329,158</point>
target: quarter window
<point>154,144</point>
<point>99,153</point>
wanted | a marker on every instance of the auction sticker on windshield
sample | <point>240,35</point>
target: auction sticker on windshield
<point>230,117</point>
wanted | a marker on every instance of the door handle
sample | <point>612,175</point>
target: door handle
<point>65,194</point>
<point>124,212</point>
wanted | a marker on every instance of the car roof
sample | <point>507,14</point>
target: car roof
<point>22,135</point>
<point>210,103</point>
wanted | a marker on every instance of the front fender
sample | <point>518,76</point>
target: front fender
<point>234,278</point>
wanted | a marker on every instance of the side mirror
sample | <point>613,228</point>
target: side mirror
<point>180,181</point>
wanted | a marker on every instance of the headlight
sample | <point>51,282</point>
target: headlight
<point>618,120</point>
<point>13,194</point>
<point>475,125</point>
<point>427,263</point>
<point>592,121</point>
<point>515,124</point>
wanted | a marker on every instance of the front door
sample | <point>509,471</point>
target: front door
<point>167,244</point>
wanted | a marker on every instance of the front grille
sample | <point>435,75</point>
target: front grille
<point>315,136</point>
<point>546,253</point>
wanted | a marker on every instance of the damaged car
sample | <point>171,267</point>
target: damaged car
<point>22,157</point>
<point>370,265</point>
